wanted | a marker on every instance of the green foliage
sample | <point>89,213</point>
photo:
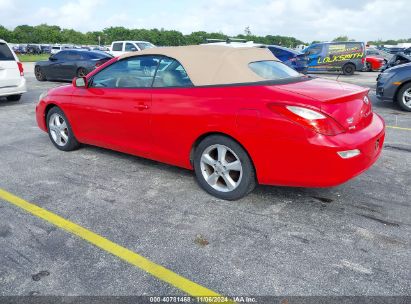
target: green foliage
<point>32,57</point>
<point>341,38</point>
<point>44,33</point>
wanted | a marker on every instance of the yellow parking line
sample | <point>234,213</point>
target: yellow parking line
<point>398,128</point>
<point>158,271</point>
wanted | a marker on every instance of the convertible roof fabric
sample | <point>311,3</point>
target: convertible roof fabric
<point>213,65</point>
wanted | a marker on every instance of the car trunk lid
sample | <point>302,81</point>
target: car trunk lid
<point>348,104</point>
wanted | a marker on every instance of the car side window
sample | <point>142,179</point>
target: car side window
<point>130,47</point>
<point>118,47</point>
<point>62,55</point>
<point>171,73</point>
<point>133,72</point>
<point>73,56</point>
<point>315,50</point>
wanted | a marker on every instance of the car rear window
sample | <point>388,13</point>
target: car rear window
<point>272,70</point>
<point>5,53</point>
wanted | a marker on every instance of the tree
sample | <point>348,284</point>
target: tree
<point>247,31</point>
<point>341,39</point>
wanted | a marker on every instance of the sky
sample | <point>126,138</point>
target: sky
<point>307,20</point>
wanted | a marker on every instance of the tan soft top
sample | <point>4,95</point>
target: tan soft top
<point>212,64</point>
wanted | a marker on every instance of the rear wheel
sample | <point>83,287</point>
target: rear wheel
<point>60,131</point>
<point>39,74</point>
<point>14,97</point>
<point>223,168</point>
<point>404,97</point>
<point>348,69</point>
<point>81,72</point>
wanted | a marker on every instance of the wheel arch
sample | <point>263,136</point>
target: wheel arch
<point>205,135</point>
<point>399,88</point>
<point>46,111</point>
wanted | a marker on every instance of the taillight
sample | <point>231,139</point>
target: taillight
<point>20,65</point>
<point>314,120</point>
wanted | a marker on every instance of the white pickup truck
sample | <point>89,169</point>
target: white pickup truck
<point>121,47</point>
<point>12,82</point>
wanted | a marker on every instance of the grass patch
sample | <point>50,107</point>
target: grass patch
<point>32,58</point>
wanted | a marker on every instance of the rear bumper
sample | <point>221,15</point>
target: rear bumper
<point>14,90</point>
<point>316,163</point>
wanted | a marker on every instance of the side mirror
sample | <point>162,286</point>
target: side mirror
<point>51,58</point>
<point>80,82</point>
<point>133,49</point>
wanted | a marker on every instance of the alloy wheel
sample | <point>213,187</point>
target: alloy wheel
<point>58,129</point>
<point>221,168</point>
<point>406,98</point>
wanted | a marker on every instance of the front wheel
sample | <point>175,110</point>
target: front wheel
<point>404,97</point>
<point>60,132</point>
<point>223,168</point>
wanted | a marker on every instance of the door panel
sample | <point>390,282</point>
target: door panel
<point>117,119</point>
<point>114,112</point>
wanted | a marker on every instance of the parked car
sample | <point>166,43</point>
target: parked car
<point>237,116</point>
<point>394,50</point>
<point>45,49</point>
<point>378,53</point>
<point>397,59</point>
<point>294,59</point>
<point>67,64</point>
<point>347,57</point>
<point>55,49</point>
<point>12,81</point>
<point>373,63</point>
<point>33,49</point>
<point>121,47</point>
<point>394,84</point>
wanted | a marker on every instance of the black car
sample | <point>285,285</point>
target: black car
<point>67,64</point>
<point>394,84</point>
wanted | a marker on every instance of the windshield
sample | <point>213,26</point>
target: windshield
<point>272,70</point>
<point>145,45</point>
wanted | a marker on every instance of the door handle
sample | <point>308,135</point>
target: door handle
<point>142,107</point>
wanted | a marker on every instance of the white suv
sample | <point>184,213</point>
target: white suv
<point>12,82</point>
<point>121,47</point>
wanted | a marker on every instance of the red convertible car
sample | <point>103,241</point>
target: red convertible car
<point>237,116</point>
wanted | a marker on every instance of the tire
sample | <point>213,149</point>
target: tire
<point>39,74</point>
<point>404,97</point>
<point>348,69</point>
<point>14,97</point>
<point>224,183</point>
<point>81,72</point>
<point>368,67</point>
<point>59,130</point>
